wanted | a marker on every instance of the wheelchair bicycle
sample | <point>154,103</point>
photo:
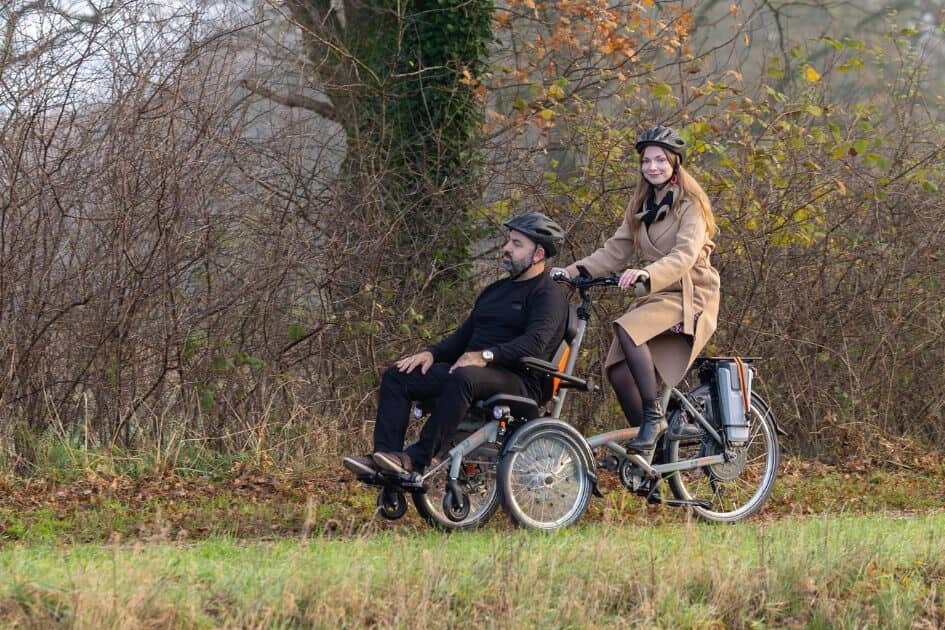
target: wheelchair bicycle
<point>544,472</point>
<point>459,489</point>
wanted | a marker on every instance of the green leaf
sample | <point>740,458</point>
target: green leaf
<point>244,358</point>
<point>661,90</point>
<point>296,331</point>
<point>222,364</point>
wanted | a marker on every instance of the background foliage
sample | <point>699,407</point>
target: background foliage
<point>221,221</point>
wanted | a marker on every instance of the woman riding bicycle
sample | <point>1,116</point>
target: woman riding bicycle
<point>664,242</point>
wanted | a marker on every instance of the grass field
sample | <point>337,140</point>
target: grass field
<point>820,571</point>
<point>854,545</point>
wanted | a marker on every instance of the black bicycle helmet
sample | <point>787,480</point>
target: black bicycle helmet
<point>665,137</point>
<point>540,229</point>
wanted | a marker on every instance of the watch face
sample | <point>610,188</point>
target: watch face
<point>487,355</point>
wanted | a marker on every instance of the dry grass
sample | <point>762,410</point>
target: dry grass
<point>878,571</point>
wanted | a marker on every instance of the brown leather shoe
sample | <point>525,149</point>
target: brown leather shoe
<point>360,466</point>
<point>394,462</point>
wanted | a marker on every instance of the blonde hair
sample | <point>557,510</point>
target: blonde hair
<point>688,188</point>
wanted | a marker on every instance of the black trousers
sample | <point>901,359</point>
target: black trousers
<point>451,396</point>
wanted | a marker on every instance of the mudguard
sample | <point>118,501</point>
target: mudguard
<point>587,457</point>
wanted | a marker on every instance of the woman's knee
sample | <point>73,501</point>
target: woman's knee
<point>619,374</point>
<point>622,335</point>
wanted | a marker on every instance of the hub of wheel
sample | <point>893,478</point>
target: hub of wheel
<point>733,468</point>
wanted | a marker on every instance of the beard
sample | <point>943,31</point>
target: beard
<point>515,267</point>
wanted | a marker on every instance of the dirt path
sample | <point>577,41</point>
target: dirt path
<point>259,505</point>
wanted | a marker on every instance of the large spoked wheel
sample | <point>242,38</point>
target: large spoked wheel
<point>477,479</point>
<point>739,487</point>
<point>544,475</point>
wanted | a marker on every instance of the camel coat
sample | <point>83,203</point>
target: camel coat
<point>683,283</point>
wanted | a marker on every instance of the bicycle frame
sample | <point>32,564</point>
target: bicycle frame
<point>489,432</point>
<point>612,439</point>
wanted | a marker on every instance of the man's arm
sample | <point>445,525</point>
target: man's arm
<point>452,346</point>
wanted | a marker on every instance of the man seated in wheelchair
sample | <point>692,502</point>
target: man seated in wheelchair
<point>522,315</point>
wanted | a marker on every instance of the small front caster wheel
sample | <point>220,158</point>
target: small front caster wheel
<point>392,504</point>
<point>455,507</point>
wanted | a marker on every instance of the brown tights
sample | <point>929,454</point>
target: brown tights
<point>634,378</point>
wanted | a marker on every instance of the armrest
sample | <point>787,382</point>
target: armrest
<point>531,363</point>
<point>549,369</point>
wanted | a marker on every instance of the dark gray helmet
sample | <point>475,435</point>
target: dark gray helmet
<point>540,229</point>
<point>665,137</point>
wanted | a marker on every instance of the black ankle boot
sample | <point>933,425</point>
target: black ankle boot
<point>653,425</point>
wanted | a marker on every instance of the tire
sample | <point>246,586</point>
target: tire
<point>477,478</point>
<point>735,489</point>
<point>545,477</point>
<point>391,504</point>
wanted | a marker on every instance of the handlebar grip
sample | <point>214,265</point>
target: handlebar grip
<point>560,276</point>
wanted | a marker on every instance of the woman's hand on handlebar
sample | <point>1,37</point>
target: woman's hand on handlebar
<point>423,359</point>
<point>631,276</point>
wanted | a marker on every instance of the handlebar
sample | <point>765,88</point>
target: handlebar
<point>586,281</point>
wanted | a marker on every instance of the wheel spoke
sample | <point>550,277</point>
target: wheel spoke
<point>735,488</point>
<point>545,483</point>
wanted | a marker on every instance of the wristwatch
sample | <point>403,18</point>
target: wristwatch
<point>487,356</point>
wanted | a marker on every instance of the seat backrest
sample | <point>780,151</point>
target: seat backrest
<point>571,328</point>
<point>560,358</point>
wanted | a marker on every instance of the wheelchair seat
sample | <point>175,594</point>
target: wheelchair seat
<point>519,406</point>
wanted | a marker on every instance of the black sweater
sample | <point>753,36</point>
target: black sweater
<point>514,320</point>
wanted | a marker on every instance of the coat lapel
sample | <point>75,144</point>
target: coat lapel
<point>648,249</point>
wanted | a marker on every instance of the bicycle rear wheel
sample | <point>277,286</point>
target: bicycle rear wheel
<point>735,489</point>
<point>477,478</point>
<point>545,476</point>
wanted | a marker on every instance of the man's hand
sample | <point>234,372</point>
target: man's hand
<point>469,359</point>
<point>423,359</point>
